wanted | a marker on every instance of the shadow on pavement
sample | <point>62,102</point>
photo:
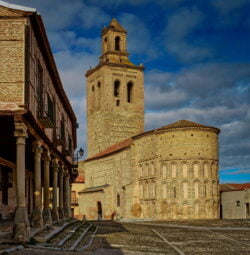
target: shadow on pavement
<point>106,230</point>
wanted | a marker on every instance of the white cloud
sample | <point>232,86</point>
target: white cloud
<point>160,100</point>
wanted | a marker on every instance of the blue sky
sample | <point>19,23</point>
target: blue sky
<point>196,54</point>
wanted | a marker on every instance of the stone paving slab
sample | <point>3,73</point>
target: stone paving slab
<point>114,238</point>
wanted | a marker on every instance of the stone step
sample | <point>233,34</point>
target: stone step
<point>78,240</point>
<point>67,237</point>
<point>40,238</point>
<point>8,249</point>
<point>88,239</point>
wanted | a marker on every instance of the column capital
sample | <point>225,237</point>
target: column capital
<point>20,130</point>
<point>55,164</point>
<point>65,171</point>
<point>46,156</point>
<point>37,147</point>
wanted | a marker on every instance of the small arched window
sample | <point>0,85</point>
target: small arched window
<point>116,88</point>
<point>117,43</point>
<point>129,92</point>
<point>118,200</point>
<point>98,103</point>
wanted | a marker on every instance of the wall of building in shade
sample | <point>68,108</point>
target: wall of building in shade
<point>235,200</point>
<point>38,126</point>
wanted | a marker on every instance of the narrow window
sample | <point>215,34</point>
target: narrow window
<point>118,200</point>
<point>129,92</point>
<point>117,43</point>
<point>117,102</point>
<point>62,129</point>
<point>98,95</point>
<point>51,109</point>
<point>39,89</point>
<point>174,192</point>
<point>116,88</point>
<point>70,143</point>
<point>237,203</point>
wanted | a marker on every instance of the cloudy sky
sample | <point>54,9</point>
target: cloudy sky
<point>196,54</point>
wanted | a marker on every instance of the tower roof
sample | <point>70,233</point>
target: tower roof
<point>115,26</point>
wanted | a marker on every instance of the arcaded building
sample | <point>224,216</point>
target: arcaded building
<point>167,173</point>
<point>37,125</point>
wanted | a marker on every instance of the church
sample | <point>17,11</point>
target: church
<point>167,173</point>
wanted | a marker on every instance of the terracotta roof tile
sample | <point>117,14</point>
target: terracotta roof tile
<point>234,186</point>
<point>127,142</point>
<point>113,148</point>
<point>183,124</point>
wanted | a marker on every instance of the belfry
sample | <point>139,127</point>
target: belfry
<point>115,93</point>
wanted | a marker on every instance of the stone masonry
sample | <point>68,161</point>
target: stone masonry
<point>167,173</point>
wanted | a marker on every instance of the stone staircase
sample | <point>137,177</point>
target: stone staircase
<point>73,235</point>
<point>68,235</point>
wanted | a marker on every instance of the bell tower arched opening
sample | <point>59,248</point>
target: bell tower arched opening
<point>117,42</point>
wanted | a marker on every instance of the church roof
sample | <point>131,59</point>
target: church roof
<point>114,25</point>
<point>113,148</point>
<point>234,186</point>
<point>184,124</point>
<point>128,142</point>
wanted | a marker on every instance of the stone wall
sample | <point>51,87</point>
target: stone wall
<point>112,118</point>
<point>235,204</point>
<point>21,58</point>
<point>12,37</point>
<point>171,174</point>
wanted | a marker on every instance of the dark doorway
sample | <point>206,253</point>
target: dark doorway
<point>99,210</point>
<point>4,182</point>
<point>247,210</point>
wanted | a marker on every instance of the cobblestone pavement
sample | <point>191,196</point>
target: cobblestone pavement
<point>173,238</point>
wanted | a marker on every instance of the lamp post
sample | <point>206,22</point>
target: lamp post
<point>79,154</point>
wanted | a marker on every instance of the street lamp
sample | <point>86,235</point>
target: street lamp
<point>79,154</point>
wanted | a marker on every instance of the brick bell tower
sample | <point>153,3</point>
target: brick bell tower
<point>115,93</point>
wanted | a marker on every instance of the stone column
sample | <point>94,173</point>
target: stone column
<point>66,193</point>
<point>55,216</point>
<point>70,188</point>
<point>21,230</point>
<point>37,219</point>
<point>61,212</point>
<point>46,209</point>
